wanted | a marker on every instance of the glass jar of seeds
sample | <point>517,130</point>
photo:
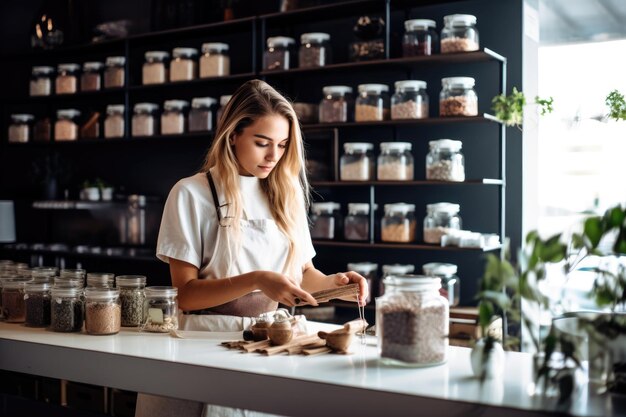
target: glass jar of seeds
<point>132,297</point>
<point>13,305</point>
<point>439,220</point>
<point>37,301</point>
<point>357,222</point>
<point>103,312</point>
<point>444,161</point>
<point>336,105</point>
<point>100,280</point>
<point>66,313</point>
<point>160,309</point>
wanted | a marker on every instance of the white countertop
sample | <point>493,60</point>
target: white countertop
<point>329,384</point>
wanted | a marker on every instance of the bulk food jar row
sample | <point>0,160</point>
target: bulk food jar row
<point>60,301</point>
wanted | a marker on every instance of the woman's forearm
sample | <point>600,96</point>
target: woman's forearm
<point>198,294</point>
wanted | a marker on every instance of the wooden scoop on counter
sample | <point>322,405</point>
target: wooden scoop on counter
<point>340,339</point>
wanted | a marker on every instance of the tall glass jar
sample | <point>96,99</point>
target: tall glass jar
<point>67,78</point>
<point>100,280</point>
<point>173,120</point>
<point>314,50</point>
<point>444,161</point>
<point>37,302</point>
<point>277,55</point>
<point>102,311</point>
<point>114,122</point>
<point>457,97</point>
<point>67,309</point>
<point>132,298</point>
<point>183,66</point>
<point>91,78</point>
<point>459,34</point>
<point>13,305</point>
<point>394,269</point>
<point>357,162</point>
<point>160,309</point>
<point>372,104</point>
<point>145,119</point>
<point>155,68</point>
<point>412,322</point>
<point>439,220</point>
<point>21,128</point>
<point>114,74</point>
<point>41,81</point>
<point>66,126</point>
<point>410,100</point>
<point>395,162</point>
<point>323,221</point>
<point>336,104</point>
<point>450,282</point>
<point>357,223</point>
<point>214,61</point>
<point>398,224</point>
<point>201,114</point>
<point>223,102</point>
<point>420,38</point>
<point>369,271</point>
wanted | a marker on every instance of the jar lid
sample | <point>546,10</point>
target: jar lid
<point>373,88</point>
<point>65,291</point>
<point>448,144</point>
<point>214,47</point>
<point>115,109</point>
<point>101,293</point>
<point>33,286</point>
<point>274,41</point>
<point>42,70</point>
<point>175,104</point>
<point>130,280</point>
<point>200,102</point>
<point>459,20</point>
<point>410,85</point>
<point>68,67</point>
<point>336,89</point>
<point>184,52</point>
<point>156,55</point>
<point>395,146</point>
<point>413,24</point>
<point>224,100</point>
<point>363,208</point>
<point>72,273</point>
<point>161,291</point>
<point>464,82</point>
<point>145,107</point>
<point>314,37</point>
<point>399,208</point>
<point>449,208</point>
<point>92,66</point>
<point>398,269</point>
<point>22,117</point>
<point>68,113</point>
<point>365,267</point>
<point>439,269</point>
<point>51,270</point>
<point>357,146</point>
<point>113,61</point>
<point>100,277</point>
<point>68,282</point>
<point>15,283</point>
<point>414,282</point>
<point>326,207</point>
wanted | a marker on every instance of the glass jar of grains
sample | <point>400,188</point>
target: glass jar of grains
<point>336,105</point>
<point>66,126</point>
<point>114,74</point>
<point>420,38</point>
<point>410,100</point>
<point>357,162</point>
<point>323,221</point>
<point>450,282</point>
<point>201,114</point>
<point>37,302</point>
<point>458,97</point>
<point>132,297</point>
<point>102,311</point>
<point>91,78</point>
<point>372,104</point>
<point>314,50</point>
<point>13,304</point>
<point>459,34</point>
<point>67,78</point>
<point>214,61</point>
<point>357,223</point>
<point>145,119</point>
<point>395,162</point>
<point>155,68</point>
<point>439,220</point>
<point>173,120</point>
<point>398,224</point>
<point>160,309</point>
<point>277,55</point>
<point>21,128</point>
<point>444,161</point>
<point>183,66</point>
<point>67,309</point>
<point>114,122</point>
<point>41,81</point>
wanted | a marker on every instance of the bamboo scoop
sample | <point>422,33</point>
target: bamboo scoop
<point>340,339</point>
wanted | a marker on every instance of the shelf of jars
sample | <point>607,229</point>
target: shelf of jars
<point>90,204</point>
<point>194,82</point>
<point>484,118</point>
<point>412,246</point>
<point>481,181</point>
<point>201,137</point>
<point>84,251</point>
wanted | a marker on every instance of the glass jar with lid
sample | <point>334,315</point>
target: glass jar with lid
<point>201,114</point>
<point>357,222</point>
<point>420,38</point>
<point>37,304</point>
<point>323,220</point>
<point>44,273</point>
<point>398,224</point>
<point>372,104</point>
<point>450,283</point>
<point>114,74</point>
<point>395,162</point>
<point>145,119</point>
<point>336,104</point>
<point>67,309</point>
<point>100,280</point>
<point>173,117</point>
<point>21,128</point>
<point>458,97</point>
<point>13,305</point>
<point>66,126</point>
<point>357,161</point>
<point>77,273</point>
<point>91,78</point>
<point>439,220</point>
<point>132,298</point>
<point>160,309</point>
<point>214,61</point>
<point>223,102</point>
<point>369,271</point>
<point>410,100</point>
<point>103,311</point>
<point>67,78</point>
<point>412,321</point>
<point>155,67</point>
<point>444,161</point>
<point>277,55</point>
<point>459,34</point>
<point>41,81</point>
<point>114,122</point>
<point>394,269</point>
<point>314,50</point>
<point>183,66</point>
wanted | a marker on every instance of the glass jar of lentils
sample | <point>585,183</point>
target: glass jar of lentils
<point>444,161</point>
<point>458,97</point>
<point>160,309</point>
<point>132,297</point>
<point>102,311</point>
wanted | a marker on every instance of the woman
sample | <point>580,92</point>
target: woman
<point>236,234</point>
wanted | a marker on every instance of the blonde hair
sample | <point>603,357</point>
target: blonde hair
<point>286,186</point>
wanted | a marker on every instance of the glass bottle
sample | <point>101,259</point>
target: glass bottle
<point>450,282</point>
<point>410,100</point>
<point>336,104</point>
<point>173,120</point>
<point>357,162</point>
<point>66,126</point>
<point>395,162</point>
<point>214,61</point>
<point>114,122</point>
<point>439,220</point>
<point>372,104</point>
<point>21,128</point>
<point>41,81</point>
<point>183,66</point>
<point>315,50</point>
<point>444,161</point>
<point>67,78</point>
<point>37,303</point>
<point>155,68</point>
<point>114,74</point>
<point>459,34</point>
<point>323,220</point>
<point>398,224</point>
<point>145,119</point>
<point>132,298</point>
<point>67,309</point>
<point>420,38</point>
<point>357,222</point>
<point>201,114</point>
<point>160,309</point>
<point>91,78</point>
<point>102,311</point>
<point>458,97</point>
<point>278,53</point>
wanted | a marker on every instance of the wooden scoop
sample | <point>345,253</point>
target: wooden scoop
<point>339,340</point>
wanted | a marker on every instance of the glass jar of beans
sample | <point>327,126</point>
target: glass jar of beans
<point>459,34</point>
<point>420,38</point>
<point>410,100</point>
<point>357,161</point>
<point>398,224</point>
<point>372,104</point>
<point>132,297</point>
<point>444,161</point>
<point>395,162</point>
<point>439,220</point>
<point>458,97</point>
<point>103,311</point>
<point>336,105</point>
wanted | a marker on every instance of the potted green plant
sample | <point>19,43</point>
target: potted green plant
<point>510,109</point>
<point>90,190</point>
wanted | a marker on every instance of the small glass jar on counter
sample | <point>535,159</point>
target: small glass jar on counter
<point>372,104</point>
<point>395,162</point>
<point>41,81</point>
<point>394,269</point>
<point>114,122</point>
<point>444,161</point>
<point>277,55</point>
<point>183,66</point>
<point>13,305</point>
<point>37,303</point>
<point>223,102</point>
<point>91,78</point>
<point>357,223</point>
<point>173,118</point>
<point>412,321</point>
<point>114,73</point>
<point>77,273</point>
<point>215,61</point>
<point>420,38</point>
<point>103,311</point>
<point>398,224</point>
<point>160,309</point>
<point>132,298</point>
<point>439,220</point>
<point>410,100</point>
<point>458,97</point>
<point>314,50</point>
<point>357,162</point>
<point>450,283</point>
<point>145,119</point>
<point>336,104</point>
<point>323,220</point>
<point>369,271</point>
<point>67,309</point>
<point>67,78</point>
<point>155,68</point>
<point>100,280</point>
<point>201,114</point>
<point>44,273</point>
<point>459,34</point>
<point>21,128</point>
<point>66,126</point>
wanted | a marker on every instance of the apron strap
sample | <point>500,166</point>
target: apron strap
<point>216,202</point>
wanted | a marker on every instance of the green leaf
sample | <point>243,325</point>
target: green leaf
<point>620,243</point>
<point>614,217</point>
<point>485,313</point>
<point>617,105</point>
<point>593,230</point>
<point>578,242</point>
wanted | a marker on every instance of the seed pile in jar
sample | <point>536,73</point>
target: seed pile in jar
<point>368,113</point>
<point>38,310</point>
<point>333,111</point>
<point>67,315</point>
<point>445,170</point>
<point>434,234</point>
<point>13,305</point>
<point>456,44</point>
<point>356,171</point>
<point>132,300</point>
<point>409,110</point>
<point>395,171</point>
<point>160,316</point>
<point>400,232</point>
<point>102,318</point>
<point>458,106</point>
<point>356,230</point>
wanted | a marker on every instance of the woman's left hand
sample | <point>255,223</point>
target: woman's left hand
<point>351,277</point>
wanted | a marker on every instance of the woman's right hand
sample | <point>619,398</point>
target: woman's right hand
<point>280,288</point>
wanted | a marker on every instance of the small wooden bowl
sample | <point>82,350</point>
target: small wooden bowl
<point>338,340</point>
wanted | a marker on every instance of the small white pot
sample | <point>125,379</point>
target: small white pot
<point>490,366</point>
<point>107,193</point>
<point>91,193</point>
